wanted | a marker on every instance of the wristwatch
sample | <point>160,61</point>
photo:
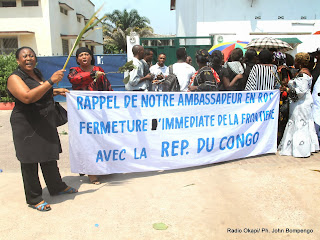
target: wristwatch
<point>50,81</point>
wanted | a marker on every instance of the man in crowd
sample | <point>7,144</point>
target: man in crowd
<point>189,60</point>
<point>146,61</point>
<point>138,81</point>
<point>159,69</point>
<point>183,70</point>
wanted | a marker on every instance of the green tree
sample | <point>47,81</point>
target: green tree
<point>8,64</point>
<point>119,24</point>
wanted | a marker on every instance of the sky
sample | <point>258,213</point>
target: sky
<point>162,20</point>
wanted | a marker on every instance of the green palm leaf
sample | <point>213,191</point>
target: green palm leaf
<point>93,21</point>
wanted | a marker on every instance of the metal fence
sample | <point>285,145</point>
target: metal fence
<point>169,46</point>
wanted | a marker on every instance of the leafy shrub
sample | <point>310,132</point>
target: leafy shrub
<point>8,64</point>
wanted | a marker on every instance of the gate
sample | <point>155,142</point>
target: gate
<point>169,45</point>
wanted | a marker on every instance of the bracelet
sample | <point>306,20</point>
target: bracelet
<point>50,81</point>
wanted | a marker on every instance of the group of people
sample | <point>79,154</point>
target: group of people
<point>33,119</point>
<point>298,125</point>
<point>240,72</point>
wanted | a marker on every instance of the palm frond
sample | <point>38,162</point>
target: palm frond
<point>93,21</point>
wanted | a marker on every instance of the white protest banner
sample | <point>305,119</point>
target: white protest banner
<point>121,132</point>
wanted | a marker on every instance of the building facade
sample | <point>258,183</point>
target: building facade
<point>50,27</point>
<point>231,20</point>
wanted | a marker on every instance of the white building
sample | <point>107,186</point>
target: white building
<point>244,20</point>
<point>50,27</point>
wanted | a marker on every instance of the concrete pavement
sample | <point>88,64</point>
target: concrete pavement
<point>245,199</point>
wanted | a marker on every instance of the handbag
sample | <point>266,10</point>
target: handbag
<point>61,114</point>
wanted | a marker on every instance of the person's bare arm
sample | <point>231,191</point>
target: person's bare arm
<point>23,93</point>
<point>60,91</point>
<point>227,84</point>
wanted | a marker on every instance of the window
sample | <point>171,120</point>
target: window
<point>29,3</point>
<point>64,11</point>
<point>8,3</point>
<point>8,45</point>
<point>65,8</point>
<point>65,47</point>
<point>159,42</point>
<point>91,48</point>
<point>78,19</point>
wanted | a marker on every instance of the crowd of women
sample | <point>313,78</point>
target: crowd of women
<point>33,119</point>
<point>298,125</point>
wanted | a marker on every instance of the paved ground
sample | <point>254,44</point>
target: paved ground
<point>247,197</point>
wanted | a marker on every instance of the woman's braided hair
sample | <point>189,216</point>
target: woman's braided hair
<point>202,56</point>
<point>303,59</point>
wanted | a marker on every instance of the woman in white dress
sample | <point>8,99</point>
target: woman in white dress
<point>300,138</point>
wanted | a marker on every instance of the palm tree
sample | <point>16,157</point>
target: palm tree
<point>119,24</point>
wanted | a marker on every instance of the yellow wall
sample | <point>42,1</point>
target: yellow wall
<point>46,24</point>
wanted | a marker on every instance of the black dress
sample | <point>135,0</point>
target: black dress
<point>230,74</point>
<point>33,125</point>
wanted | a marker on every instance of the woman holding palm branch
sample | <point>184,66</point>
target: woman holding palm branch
<point>34,128</point>
<point>88,77</point>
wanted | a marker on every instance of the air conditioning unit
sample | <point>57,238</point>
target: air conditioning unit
<point>219,39</point>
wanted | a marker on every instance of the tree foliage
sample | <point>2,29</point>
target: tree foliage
<point>8,64</point>
<point>118,25</point>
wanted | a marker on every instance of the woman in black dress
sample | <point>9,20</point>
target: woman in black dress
<point>232,72</point>
<point>34,130</point>
<point>250,59</point>
<point>216,61</point>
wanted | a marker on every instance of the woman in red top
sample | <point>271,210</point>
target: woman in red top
<point>88,77</point>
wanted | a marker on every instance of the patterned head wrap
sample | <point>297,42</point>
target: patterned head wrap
<point>280,58</point>
<point>85,49</point>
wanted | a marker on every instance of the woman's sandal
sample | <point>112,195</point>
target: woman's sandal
<point>41,206</point>
<point>94,179</point>
<point>68,190</point>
